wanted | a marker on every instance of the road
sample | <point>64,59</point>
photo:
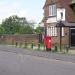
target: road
<point>12,63</point>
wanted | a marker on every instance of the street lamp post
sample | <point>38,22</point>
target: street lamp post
<point>60,25</point>
<point>60,34</point>
<point>60,19</point>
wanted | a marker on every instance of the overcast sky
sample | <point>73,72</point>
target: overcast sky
<point>31,9</point>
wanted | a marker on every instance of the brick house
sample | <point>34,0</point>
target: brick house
<point>50,21</point>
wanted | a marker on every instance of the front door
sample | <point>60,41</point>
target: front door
<point>72,37</point>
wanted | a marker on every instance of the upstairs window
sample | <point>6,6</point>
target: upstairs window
<point>52,10</point>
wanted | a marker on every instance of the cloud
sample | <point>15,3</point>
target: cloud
<point>22,13</point>
<point>7,9</point>
<point>18,7</point>
<point>15,8</point>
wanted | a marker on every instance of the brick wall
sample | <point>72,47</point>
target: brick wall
<point>70,17</point>
<point>70,14</point>
<point>11,39</point>
<point>65,38</point>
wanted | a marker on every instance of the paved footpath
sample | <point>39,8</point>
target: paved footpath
<point>49,55</point>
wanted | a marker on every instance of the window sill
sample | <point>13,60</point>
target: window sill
<point>52,16</point>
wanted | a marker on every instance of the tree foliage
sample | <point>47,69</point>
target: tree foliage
<point>25,30</point>
<point>2,30</point>
<point>19,25</point>
<point>39,30</point>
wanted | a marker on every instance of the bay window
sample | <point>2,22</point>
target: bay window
<point>53,31</point>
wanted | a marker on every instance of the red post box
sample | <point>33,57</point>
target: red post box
<point>47,43</point>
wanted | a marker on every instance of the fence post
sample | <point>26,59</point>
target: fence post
<point>56,49</point>
<point>25,44</point>
<point>16,44</point>
<point>38,46</point>
<point>32,44</point>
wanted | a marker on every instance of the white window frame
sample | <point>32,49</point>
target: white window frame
<point>52,31</point>
<point>62,31</point>
<point>52,10</point>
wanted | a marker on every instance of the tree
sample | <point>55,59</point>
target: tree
<point>39,30</point>
<point>15,24</point>
<point>27,27</point>
<point>11,25</point>
<point>25,30</point>
<point>2,30</point>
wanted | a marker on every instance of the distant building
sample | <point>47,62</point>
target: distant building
<point>51,12</point>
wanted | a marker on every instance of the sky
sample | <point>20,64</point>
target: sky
<point>31,9</point>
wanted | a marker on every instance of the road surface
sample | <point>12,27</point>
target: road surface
<point>12,63</point>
